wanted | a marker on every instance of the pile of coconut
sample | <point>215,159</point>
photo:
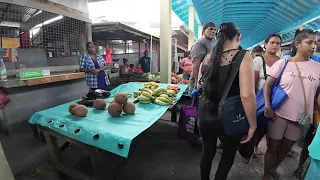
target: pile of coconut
<point>115,108</point>
<point>119,104</point>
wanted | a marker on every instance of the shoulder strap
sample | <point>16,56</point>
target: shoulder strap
<point>303,89</point>
<point>264,67</point>
<point>280,75</point>
<point>234,71</point>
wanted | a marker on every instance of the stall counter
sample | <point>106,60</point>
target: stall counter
<point>28,96</point>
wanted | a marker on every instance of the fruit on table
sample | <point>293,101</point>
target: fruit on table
<point>113,101</point>
<point>159,91</point>
<point>145,102</point>
<point>129,108</point>
<point>115,109</point>
<point>146,94</point>
<point>121,98</point>
<point>159,102</point>
<point>171,93</point>
<point>136,93</point>
<point>175,88</point>
<point>147,90</point>
<point>99,104</point>
<point>151,85</point>
<point>80,111</point>
<point>163,99</point>
<point>71,107</point>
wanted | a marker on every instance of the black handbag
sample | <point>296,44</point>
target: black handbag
<point>231,111</point>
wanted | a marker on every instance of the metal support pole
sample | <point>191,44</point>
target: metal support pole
<point>191,27</point>
<point>165,41</point>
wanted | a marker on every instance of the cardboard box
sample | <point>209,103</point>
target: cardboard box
<point>10,42</point>
<point>11,55</point>
<point>32,74</point>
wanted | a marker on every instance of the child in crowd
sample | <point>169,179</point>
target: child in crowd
<point>131,70</point>
<point>139,69</point>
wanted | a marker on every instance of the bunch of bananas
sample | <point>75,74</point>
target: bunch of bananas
<point>163,100</point>
<point>153,93</point>
<point>151,85</point>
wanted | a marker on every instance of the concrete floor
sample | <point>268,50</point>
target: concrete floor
<point>159,156</point>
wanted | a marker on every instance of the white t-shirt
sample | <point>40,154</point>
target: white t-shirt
<point>258,66</point>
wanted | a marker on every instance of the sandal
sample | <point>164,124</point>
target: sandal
<point>291,153</point>
<point>257,153</point>
<point>297,174</point>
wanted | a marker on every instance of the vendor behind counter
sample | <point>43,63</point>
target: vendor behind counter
<point>94,66</point>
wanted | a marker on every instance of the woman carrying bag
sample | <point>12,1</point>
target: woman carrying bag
<point>300,80</point>
<point>228,79</point>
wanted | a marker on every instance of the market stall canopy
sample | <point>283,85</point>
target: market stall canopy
<point>256,19</point>
<point>117,30</point>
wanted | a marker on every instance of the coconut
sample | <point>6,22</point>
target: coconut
<point>129,108</point>
<point>121,98</point>
<point>99,104</point>
<point>71,107</point>
<point>115,109</point>
<point>80,111</point>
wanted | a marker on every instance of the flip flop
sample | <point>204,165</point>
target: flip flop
<point>290,154</point>
<point>297,174</point>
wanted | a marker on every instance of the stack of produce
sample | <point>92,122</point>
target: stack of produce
<point>78,110</point>
<point>119,104</point>
<point>151,77</point>
<point>178,79</point>
<point>153,93</point>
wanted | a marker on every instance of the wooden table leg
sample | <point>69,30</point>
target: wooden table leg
<point>94,158</point>
<point>53,147</point>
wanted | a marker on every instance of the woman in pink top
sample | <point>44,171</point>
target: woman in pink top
<point>186,65</point>
<point>284,128</point>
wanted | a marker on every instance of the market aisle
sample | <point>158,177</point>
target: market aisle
<point>162,156</point>
<point>159,156</point>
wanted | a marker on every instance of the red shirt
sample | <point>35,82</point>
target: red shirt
<point>131,70</point>
<point>139,71</point>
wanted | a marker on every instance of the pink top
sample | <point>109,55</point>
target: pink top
<point>186,65</point>
<point>293,107</point>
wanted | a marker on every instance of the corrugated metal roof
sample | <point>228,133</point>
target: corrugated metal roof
<point>256,18</point>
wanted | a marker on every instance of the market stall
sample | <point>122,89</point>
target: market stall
<point>100,132</point>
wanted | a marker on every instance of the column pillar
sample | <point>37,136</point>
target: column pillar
<point>200,28</point>
<point>165,41</point>
<point>191,27</point>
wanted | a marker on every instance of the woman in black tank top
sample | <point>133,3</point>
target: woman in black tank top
<point>215,71</point>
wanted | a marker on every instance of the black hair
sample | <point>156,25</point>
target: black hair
<point>187,53</point>
<point>88,43</point>
<point>226,31</point>
<point>257,49</point>
<point>131,66</point>
<point>300,35</point>
<point>271,36</point>
<point>206,26</point>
